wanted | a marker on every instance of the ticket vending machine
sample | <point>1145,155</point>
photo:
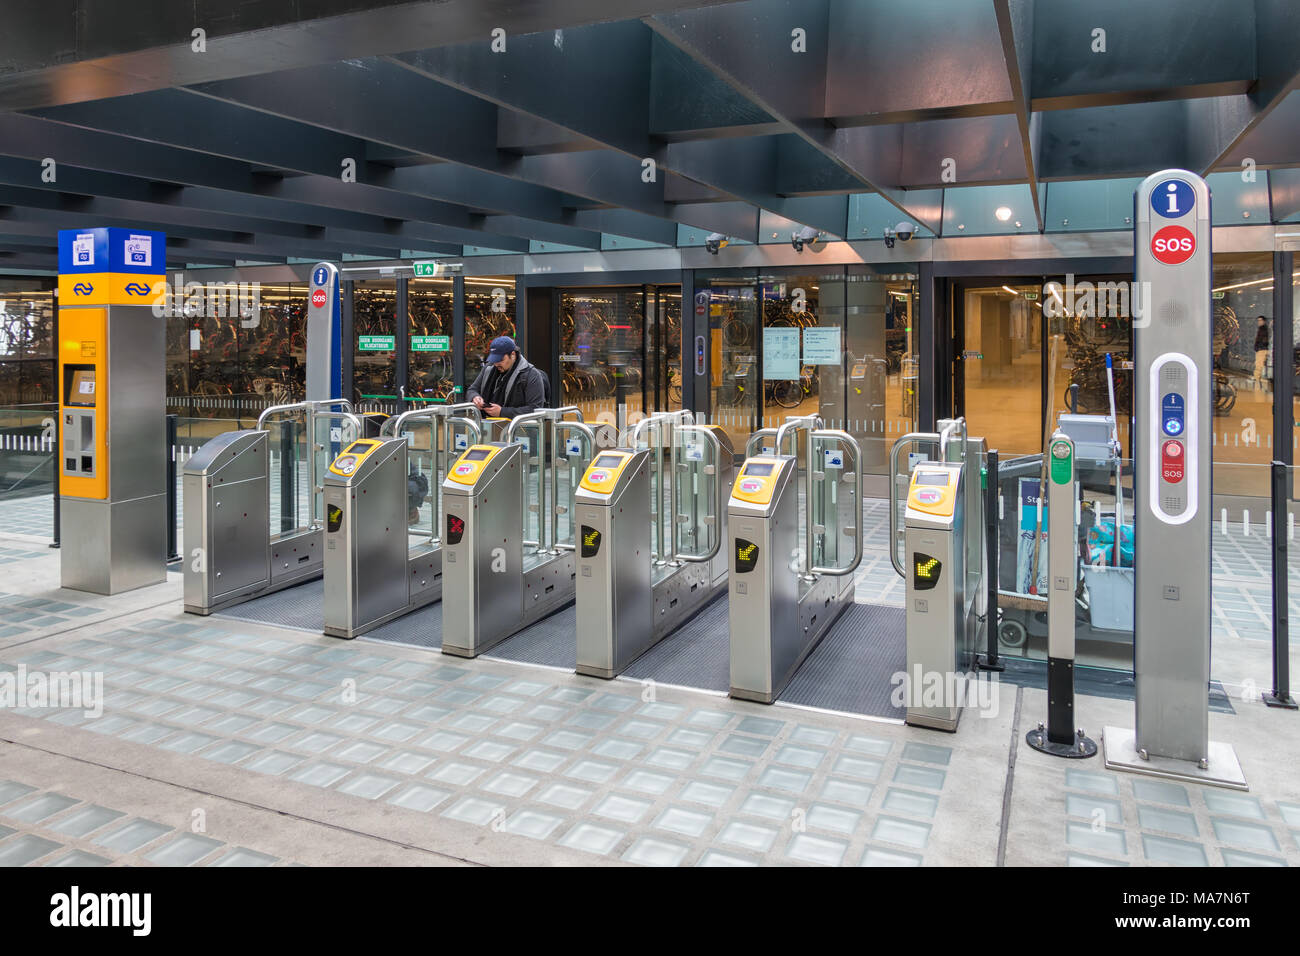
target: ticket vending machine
<point>1173,391</point>
<point>113,441</point>
<point>366,577</point>
<point>938,647</point>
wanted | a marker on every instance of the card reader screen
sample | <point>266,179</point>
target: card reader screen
<point>607,461</point>
<point>931,478</point>
<point>759,470</point>
<point>79,386</point>
<point>476,454</point>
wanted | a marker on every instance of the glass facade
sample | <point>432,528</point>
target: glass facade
<point>430,307</point>
<point>1243,373</point>
<point>374,335</point>
<point>489,312</point>
<point>26,341</point>
<point>601,349</point>
<point>246,346</point>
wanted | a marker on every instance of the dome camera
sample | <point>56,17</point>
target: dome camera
<point>806,235</point>
<point>714,242</point>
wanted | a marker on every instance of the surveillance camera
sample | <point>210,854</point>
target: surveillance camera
<point>714,242</point>
<point>805,235</point>
<point>904,230</point>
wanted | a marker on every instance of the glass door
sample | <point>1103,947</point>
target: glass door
<point>998,363</point>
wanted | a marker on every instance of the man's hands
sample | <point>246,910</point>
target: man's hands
<point>493,411</point>
<point>478,401</point>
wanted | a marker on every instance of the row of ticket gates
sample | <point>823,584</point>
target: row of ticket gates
<point>524,516</point>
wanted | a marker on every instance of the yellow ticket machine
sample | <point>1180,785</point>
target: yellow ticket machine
<point>112,427</point>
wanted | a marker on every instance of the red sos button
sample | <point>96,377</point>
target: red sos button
<point>1173,245</point>
<point>318,298</point>
<point>1171,461</point>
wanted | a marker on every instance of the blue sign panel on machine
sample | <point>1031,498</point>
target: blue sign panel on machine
<point>1173,199</point>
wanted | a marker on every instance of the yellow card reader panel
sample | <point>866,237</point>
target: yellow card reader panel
<point>933,491</point>
<point>757,480</point>
<point>351,457</point>
<point>469,466</point>
<point>602,474</point>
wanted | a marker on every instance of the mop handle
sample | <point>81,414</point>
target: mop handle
<point>1119,464</point>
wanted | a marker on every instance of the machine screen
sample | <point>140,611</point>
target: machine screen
<point>590,541</point>
<point>607,461</point>
<point>931,478</point>
<point>80,387</point>
<point>746,556</point>
<point>476,454</point>
<point>756,469</point>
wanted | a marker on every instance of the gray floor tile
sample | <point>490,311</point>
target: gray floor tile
<point>911,801</point>
<point>418,797</point>
<point>816,849</point>
<point>186,850</point>
<point>274,762</point>
<point>1094,782</point>
<point>406,761</point>
<point>37,808</point>
<point>543,761</point>
<point>652,851</point>
<point>919,776</point>
<point>847,791</point>
<point>768,806</point>
<point>360,751</point>
<point>320,774</point>
<point>1082,859</point>
<point>860,767</point>
<point>709,794</point>
<point>621,808</point>
<point>132,835</point>
<point>84,820</point>
<point>907,833</point>
<point>591,838</point>
<point>533,823</point>
<point>744,746</point>
<point>1252,836</point>
<point>1084,837</point>
<point>826,817</point>
<point>880,856</point>
<point>807,758</point>
<point>1176,852</point>
<point>372,786</point>
<point>1236,804</point>
<point>510,784</point>
<point>79,858</point>
<point>456,773</point>
<point>779,778</point>
<point>1242,858</point>
<point>21,850</point>
<point>564,795</point>
<point>1170,821</point>
<point>868,745</point>
<point>717,858</point>
<point>750,836</point>
<point>691,823</point>
<point>669,758</point>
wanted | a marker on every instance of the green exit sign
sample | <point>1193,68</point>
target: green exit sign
<point>1031,296</point>
<point>430,343</point>
<point>376,343</point>
<point>425,269</point>
<point>1219,295</point>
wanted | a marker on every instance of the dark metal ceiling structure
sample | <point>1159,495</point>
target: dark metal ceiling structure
<point>634,122</point>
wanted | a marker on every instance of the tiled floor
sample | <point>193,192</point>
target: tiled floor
<point>698,780</point>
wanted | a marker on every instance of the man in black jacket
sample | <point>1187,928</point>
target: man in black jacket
<point>508,384</point>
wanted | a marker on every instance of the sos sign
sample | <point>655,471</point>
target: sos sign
<point>1173,245</point>
<point>318,298</point>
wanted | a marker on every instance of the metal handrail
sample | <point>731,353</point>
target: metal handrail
<point>392,427</point>
<point>722,495</point>
<point>850,444</point>
<point>587,432</point>
<point>305,406</point>
<point>953,425</point>
<point>758,436</point>
<point>933,437</point>
<point>811,422</point>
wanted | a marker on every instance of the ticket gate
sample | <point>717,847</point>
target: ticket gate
<point>787,582</point>
<point>237,546</point>
<point>508,533</point>
<point>643,571</point>
<point>378,566</point>
<point>943,566</point>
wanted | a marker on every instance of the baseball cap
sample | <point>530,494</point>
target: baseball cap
<point>501,346</point>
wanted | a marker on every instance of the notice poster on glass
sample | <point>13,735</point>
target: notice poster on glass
<point>821,346</point>
<point>781,354</point>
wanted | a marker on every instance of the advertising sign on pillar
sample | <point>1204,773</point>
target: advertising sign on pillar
<point>324,334</point>
<point>1173,386</point>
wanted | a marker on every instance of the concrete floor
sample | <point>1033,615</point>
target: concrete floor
<point>228,743</point>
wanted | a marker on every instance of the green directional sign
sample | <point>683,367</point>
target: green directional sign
<point>1031,296</point>
<point>376,343</point>
<point>425,269</point>
<point>430,343</point>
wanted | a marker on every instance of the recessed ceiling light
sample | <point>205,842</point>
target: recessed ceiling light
<point>1003,213</point>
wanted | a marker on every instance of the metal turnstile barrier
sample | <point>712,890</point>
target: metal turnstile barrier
<point>788,584</point>
<point>382,559</point>
<point>939,549</point>
<point>508,535</point>
<point>236,548</point>
<point>643,571</point>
